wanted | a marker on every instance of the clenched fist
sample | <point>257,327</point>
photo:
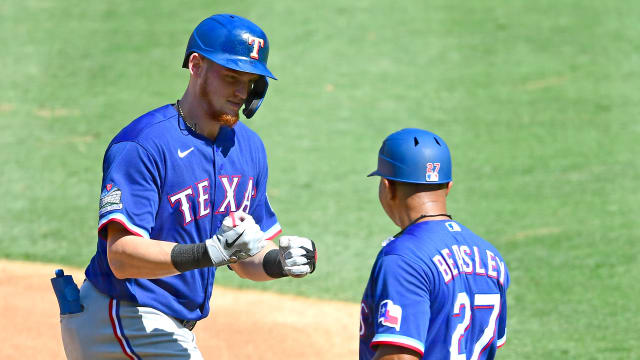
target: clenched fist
<point>298,255</point>
<point>238,238</point>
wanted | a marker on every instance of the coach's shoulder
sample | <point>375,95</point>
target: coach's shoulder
<point>403,245</point>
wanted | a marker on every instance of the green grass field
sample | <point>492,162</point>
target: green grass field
<point>537,101</point>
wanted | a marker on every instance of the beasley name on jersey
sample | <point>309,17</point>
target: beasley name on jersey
<point>495,267</point>
<point>425,288</point>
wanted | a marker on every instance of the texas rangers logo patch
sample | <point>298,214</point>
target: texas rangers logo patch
<point>110,199</point>
<point>256,42</point>
<point>432,172</point>
<point>390,314</point>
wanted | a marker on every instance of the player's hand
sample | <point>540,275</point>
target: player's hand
<point>298,255</point>
<point>238,238</point>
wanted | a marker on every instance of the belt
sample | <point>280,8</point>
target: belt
<point>188,324</point>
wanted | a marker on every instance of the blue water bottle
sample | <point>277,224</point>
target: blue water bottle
<point>67,293</point>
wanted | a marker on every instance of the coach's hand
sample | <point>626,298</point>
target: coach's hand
<point>238,238</point>
<point>298,255</point>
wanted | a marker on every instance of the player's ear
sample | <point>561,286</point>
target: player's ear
<point>196,64</point>
<point>449,185</point>
<point>391,188</point>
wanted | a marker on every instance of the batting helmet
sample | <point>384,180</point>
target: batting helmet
<point>414,156</point>
<point>236,43</point>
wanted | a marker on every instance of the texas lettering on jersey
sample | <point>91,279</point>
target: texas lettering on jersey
<point>203,205</point>
<point>160,181</point>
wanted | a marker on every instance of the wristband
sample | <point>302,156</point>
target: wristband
<point>272,265</point>
<point>185,257</point>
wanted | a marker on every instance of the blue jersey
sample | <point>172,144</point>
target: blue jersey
<point>165,182</point>
<point>437,289</point>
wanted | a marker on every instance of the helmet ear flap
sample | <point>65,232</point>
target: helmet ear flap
<point>255,96</point>
<point>185,61</point>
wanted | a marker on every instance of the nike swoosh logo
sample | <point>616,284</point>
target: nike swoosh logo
<point>230,244</point>
<point>183,154</point>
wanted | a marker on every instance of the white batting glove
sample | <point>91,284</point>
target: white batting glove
<point>298,255</point>
<point>238,238</point>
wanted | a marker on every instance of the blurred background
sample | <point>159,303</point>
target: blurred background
<point>536,99</point>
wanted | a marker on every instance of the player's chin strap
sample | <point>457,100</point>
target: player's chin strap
<point>255,97</point>
<point>418,219</point>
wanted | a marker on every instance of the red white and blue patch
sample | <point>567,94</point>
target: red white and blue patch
<point>390,314</point>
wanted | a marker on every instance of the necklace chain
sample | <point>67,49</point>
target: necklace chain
<point>418,219</point>
<point>192,127</point>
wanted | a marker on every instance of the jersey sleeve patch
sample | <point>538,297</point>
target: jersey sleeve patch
<point>390,314</point>
<point>398,340</point>
<point>110,199</point>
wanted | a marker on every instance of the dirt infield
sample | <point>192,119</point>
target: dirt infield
<point>244,324</point>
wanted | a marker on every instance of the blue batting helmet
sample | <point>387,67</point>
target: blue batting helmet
<point>414,156</point>
<point>236,43</point>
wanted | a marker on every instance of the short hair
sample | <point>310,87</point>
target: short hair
<point>419,187</point>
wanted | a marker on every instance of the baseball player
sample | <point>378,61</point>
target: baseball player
<point>184,193</point>
<point>436,290</point>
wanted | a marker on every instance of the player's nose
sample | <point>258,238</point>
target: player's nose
<point>242,90</point>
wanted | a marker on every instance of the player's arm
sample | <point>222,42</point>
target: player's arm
<point>252,268</point>
<point>295,256</point>
<point>391,352</point>
<point>132,256</point>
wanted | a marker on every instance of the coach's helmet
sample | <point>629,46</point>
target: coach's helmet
<point>414,156</point>
<point>236,43</point>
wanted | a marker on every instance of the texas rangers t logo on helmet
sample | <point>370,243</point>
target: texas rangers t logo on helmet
<point>257,44</point>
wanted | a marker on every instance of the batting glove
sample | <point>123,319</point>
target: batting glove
<point>298,255</point>
<point>238,238</point>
